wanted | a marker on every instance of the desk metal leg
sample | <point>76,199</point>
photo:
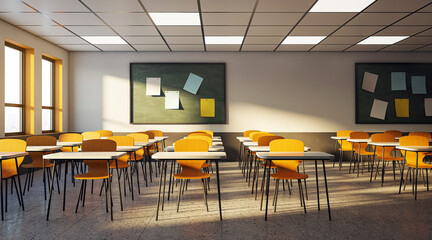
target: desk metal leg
<point>240,154</point>
<point>268,188</point>
<point>19,184</point>
<point>44,177</point>
<point>118,180</point>
<point>50,191</point>
<point>326,187</point>
<point>64,185</point>
<point>1,190</point>
<point>416,176</point>
<point>317,185</point>
<point>164,184</point>
<point>160,188</point>
<point>218,186</point>
<point>170,178</point>
<point>110,193</point>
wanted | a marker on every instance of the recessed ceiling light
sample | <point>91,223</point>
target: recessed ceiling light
<point>104,39</point>
<point>340,5</point>
<point>382,40</point>
<point>303,39</point>
<point>224,39</point>
<point>172,19</point>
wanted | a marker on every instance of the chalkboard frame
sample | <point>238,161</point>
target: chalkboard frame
<point>384,71</point>
<point>221,89</point>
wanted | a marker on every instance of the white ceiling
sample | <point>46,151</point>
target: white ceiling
<point>263,23</point>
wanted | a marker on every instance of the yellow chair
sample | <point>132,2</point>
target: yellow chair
<point>208,132</point>
<point>384,154</point>
<point>191,169</point>
<point>411,157</point>
<point>157,133</point>
<point>142,154</point>
<point>105,133</point>
<point>395,133</point>
<point>91,135</point>
<point>423,134</point>
<point>344,146</point>
<point>199,134</point>
<point>10,166</point>
<point>70,137</point>
<point>209,140</point>
<point>247,132</point>
<point>287,169</point>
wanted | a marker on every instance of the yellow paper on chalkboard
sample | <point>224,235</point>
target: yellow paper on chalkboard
<point>207,107</point>
<point>402,107</point>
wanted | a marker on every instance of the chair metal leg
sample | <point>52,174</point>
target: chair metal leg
<point>276,194</point>
<point>79,196</point>
<point>180,190</point>
<point>205,194</point>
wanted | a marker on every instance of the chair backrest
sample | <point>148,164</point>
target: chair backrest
<point>383,137</point>
<point>123,140</point>
<point>207,138</point>
<point>199,134</point>
<point>287,145</point>
<point>395,133</point>
<point>12,145</point>
<point>105,133</point>
<point>247,132</point>
<point>265,140</point>
<point>208,132</point>
<point>97,167</point>
<point>157,133</point>
<point>71,137</point>
<point>91,135</point>
<point>359,135</point>
<point>345,145</point>
<point>410,157</point>
<point>423,134</point>
<point>258,135</point>
<point>139,137</point>
<point>252,134</point>
<point>191,145</point>
<point>41,141</point>
<point>149,134</point>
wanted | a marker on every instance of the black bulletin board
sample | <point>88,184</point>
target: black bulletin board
<point>383,91</point>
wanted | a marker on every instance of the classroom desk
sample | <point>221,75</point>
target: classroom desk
<point>69,144</point>
<point>359,141</point>
<point>336,144</point>
<point>6,156</point>
<point>383,145</point>
<point>304,156</point>
<point>267,149</point>
<point>76,156</point>
<point>211,149</point>
<point>172,156</point>
<point>415,149</point>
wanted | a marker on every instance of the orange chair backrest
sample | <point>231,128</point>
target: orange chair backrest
<point>149,134</point>
<point>37,157</point>
<point>205,138</point>
<point>12,145</point>
<point>258,135</point>
<point>395,133</point>
<point>423,134</point>
<point>157,133</point>
<point>91,135</point>
<point>123,141</point>
<point>191,145</point>
<point>207,131</point>
<point>252,134</point>
<point>199,134</point>
<point>410,157</point>
<point>345,145</point>
<point>247,132</point>
<point>265,140</point>
<point>287,145</point>
<point>359,135</point>
<point>70,137</point>
<point>105,133</point>
<point>139,137</point>
<point>97,167</point>
<point>383,137</point>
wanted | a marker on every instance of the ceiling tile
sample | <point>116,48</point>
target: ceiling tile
<point>362,48</point>
<point>396,5</point>
<point>330,48</point>
<point>341,40</point>
<point>326,18</point>
<point>300,47</point>
<point>312,30</point>
<point>284,5</point>
<point>74,47</point>
<point>47,30</point>
<point>125,18</point>
<point>226,18</point>
<point>66,40</point>
<point>269,30</point>
<point>14,6</point>
<point>152,48</point>
<point>223,47</point>
<point>224,31</point>
<point>425,49</point>
<point>376,18</point>
<point>426,33</point>
<point>401,48</point>
<point>57,5</point>
<point>417,40</point>
<point>92,30</point>
<point>187,48</point>
<point>75,18</point>
<point>401,30</point>
<point>170,5</point>
<point>258,48</point>
<point>26,19</point>
<point>357,30</point>
<point>136,30</point>
<point>184,40</point>
<point>417,19</point>
<point>276,18</point>
<point>263,40</point>
<point>115,47</point>
<point>114,5</point>
<point>144,40</point>
<point>180,30</point>
<point>227,5</point>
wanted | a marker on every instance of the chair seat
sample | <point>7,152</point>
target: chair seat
<point>37,165</point>
<point>184,175</point>
<point>205,165</point>
<point>420,165</point>
<point>391,158</point>
<point>7,173</point>
<point>367,153</point>
<point>289,175</point>
<point>87,176</point>
<point>121,164</point>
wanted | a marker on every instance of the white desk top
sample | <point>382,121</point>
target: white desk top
<point>295,155</point>
<point>244,139</point>
<point>69,144</point>
<point>8,155</point>
<point>144,144</point>
<point>267,149</point>
<point>249,144</point>
<point>84,155</point>
<point>189,155</point>
<point>212,149</point>
<point>42,148</point>
<point>384,144</point>
<point>128,148</point>
<point>339,138</point>
<point>161,138</point>
<point>415,148</point>
<point>365,140</point>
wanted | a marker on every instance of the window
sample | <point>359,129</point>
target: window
<point>47,94</point>
<point>14,90</point>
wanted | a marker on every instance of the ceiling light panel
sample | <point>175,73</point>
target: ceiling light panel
<point>303,40</point>
<point>176,19</point>
<point>223,39</point>
<point>382,40</point>
<point>341,5</point>
<point>112,40</point>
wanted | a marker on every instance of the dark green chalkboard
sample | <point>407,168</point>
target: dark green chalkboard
<point>151,109</point>
<point>383,92</point>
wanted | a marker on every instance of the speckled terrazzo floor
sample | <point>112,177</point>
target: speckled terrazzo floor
<point>360,210</point>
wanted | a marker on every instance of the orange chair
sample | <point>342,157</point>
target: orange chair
<point>105,133</point>
<point>199,134</point>
<point>191,169</point>
<point>91,135</point>
<point>344,146</point>
<point>287,169</point>
<point>384,154</point>
<point>142,155</point>
<point>122,162</point>
<point>247,132</point>
<point>210,143</point>
<point>360,150</point>
<point>423,134</point>
<point>10,166</point>
<point>157,133</point>
<point>395,133</point>
<point>247,165</point>
<point>411,158</point>
<point>70,137</point>
<point>208,132</point>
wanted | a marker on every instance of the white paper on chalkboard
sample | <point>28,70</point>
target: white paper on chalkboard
<point>369,82</point>
<point>153,86</point>
<point>172,99</point>
<point>379,109</point>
